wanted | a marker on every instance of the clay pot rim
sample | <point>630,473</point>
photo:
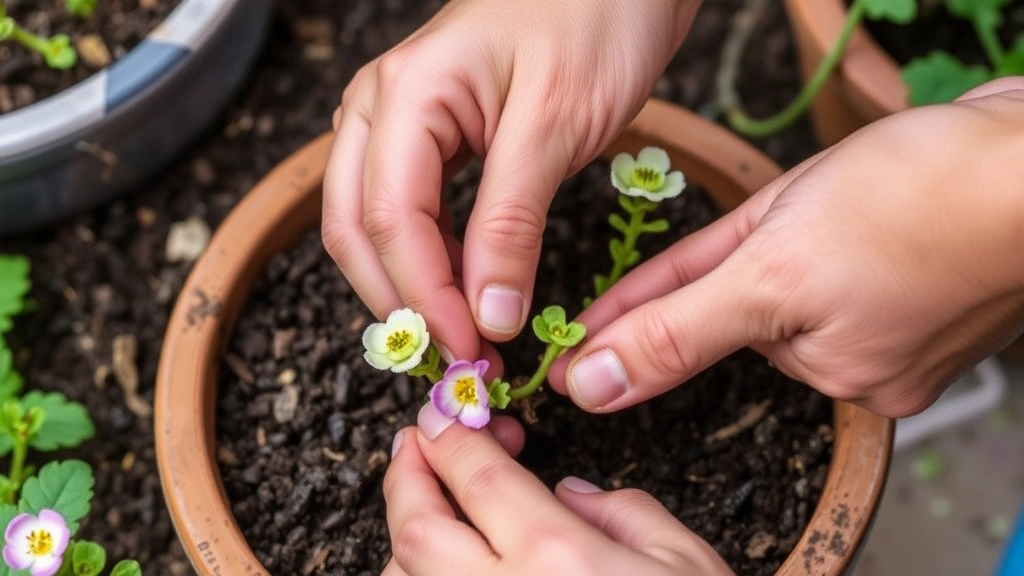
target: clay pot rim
<point>870,76</point>
<point>287,202</point>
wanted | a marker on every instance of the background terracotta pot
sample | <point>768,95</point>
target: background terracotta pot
<point>865,87</point>
<point>287,202</point>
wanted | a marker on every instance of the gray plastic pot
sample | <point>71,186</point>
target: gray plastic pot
<point>108,133</point>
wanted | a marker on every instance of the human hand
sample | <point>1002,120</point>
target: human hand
<point>535,87</point>
<point>876,271</point>
<point>513,525</point>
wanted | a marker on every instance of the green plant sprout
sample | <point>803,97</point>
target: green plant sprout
<point>56,50</point>
<point>402,343</point>
<point>938,77</point>
<point>40,510</point>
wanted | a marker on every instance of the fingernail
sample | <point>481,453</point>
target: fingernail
<point>501,308</point>
<point>431,422</point>
<point>445,352</point>
<point>580,486</point>
<point>598,379</point>
<point>396,443</point>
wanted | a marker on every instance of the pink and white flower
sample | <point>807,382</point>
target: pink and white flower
<point>462,394</point>
<point>36,543</point>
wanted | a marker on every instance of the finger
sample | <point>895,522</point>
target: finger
<point>637,520</point>
<point>342,220</point>
<point>426,537</point>
<point>393,569</point>
<point>522,171</point>
<point>677,314</point>
<point>414,137</point>
<point>502,499</point>
<point>509,433</point>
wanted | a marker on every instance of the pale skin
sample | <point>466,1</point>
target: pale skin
<point>875,271</point>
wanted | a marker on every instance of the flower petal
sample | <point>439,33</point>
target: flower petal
<point>622,167</point>
<point>46,565</point>
<point>19,527</point>
<point>17,557</point>
<point>475,416</point>
<point>54,523</point>
<point>442,396</point>
<point>654,157</point>
<point>375,337</point>
<point>674,184</point>
<point>377,360</point>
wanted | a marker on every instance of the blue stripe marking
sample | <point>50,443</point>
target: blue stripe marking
<point>1013,562</point>
<point>139,68</point>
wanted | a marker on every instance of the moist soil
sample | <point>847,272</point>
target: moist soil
<point>103,279</point>
<point>305,425</point>
<point>114,28</point>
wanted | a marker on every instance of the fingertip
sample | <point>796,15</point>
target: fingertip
<point>509,433</point>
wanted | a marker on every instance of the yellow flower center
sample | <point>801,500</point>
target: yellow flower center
<point>647,178</point>
<point>40,542</point>
<point>399,340</point>
<point>465,391</point>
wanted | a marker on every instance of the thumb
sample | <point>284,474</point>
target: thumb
<point>635,519</point>
<point>522,171</point>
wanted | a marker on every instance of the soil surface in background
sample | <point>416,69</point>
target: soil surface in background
<point>104,276</point>
<point>114,28</point>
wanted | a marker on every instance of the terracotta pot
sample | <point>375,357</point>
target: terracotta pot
<point>286,203</point>
<point>865,87</point>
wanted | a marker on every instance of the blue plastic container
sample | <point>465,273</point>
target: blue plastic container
<point>1013,559</point>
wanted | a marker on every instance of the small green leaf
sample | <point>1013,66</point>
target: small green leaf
<point>940,77</point>
<point>80,8</point>
<point>10,380</point>
<point>126,568</point>
<point>14,284</point>
<point>633,258</point>
<point>553,315</point>
<point>988,13</point>
<point>60,54</point>
<point>67,423</point>
<point>497,394</point>
<point>8,490</point>
<point>656,226</point>
<point>7,27</point>
<point>64,486</point>
<point>617,249</point>
<point>1012,63</point>
<point>627,203</point>
<point>574,334</point>
<point>88,558</point>
<point>428,365</point>
<point>618,223</point>
<point>7,513</point>
<point>895,11</point>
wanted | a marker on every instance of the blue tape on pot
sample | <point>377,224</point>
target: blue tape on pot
<point>1013,560</point>
<point>139,68</point>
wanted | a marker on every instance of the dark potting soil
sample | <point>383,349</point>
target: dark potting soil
<point>103,277</point>
<point>118,25</point>
<point>305,425</point>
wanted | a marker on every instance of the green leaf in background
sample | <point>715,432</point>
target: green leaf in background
<point>80,8</point>
<point>895,11</point>
<point>7,27</point>
<point>64,486</point>
<point>66,425</point>
<point>7,513</point>
<point>87,558</point>
<point>14,284</point>
<point>940,77</point>
<point>126,568</point>
<point>10,381</point>
<point>1012,63</point>
<point>987,13</point>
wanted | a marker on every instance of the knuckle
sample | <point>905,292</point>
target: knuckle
<point>559,552</point>
<point>338,244</point>
<point>410,538</point>
<point>486,482</point>
<point>513,229</point>
<point>381,223</point>
<point>662,346</point>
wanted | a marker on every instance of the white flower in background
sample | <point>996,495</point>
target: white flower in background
<point>647,175</point>
<point>398,343</point>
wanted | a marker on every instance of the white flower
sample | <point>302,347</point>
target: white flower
<point>398,343</point>
<point>647,176</point>
<point>36,543</point>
